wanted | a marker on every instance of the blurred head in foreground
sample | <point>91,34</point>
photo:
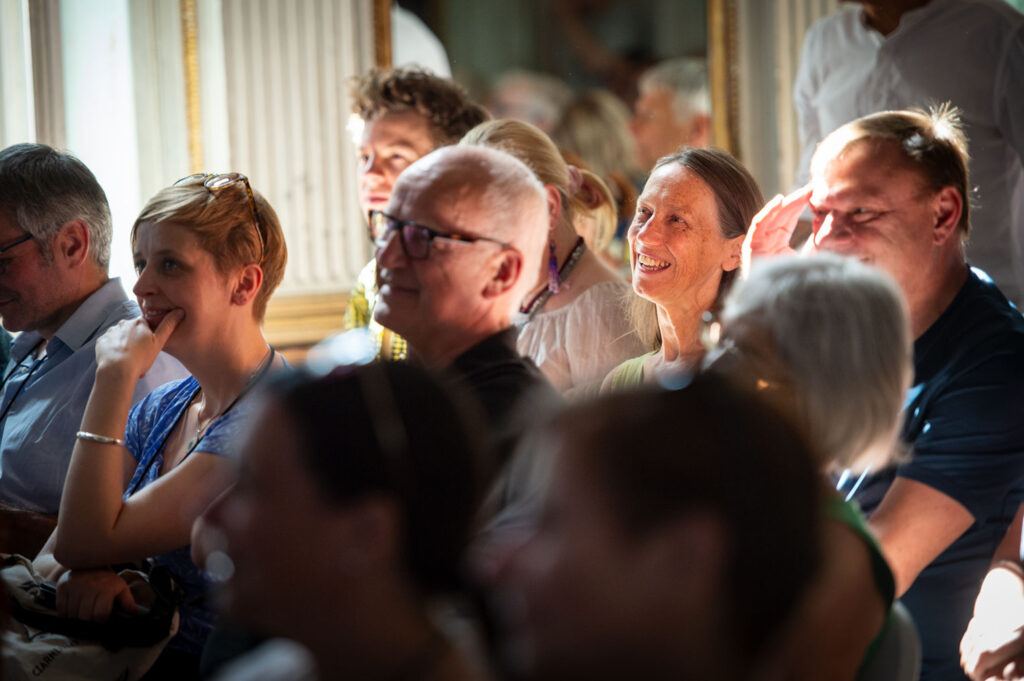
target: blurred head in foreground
<point>655,508</point>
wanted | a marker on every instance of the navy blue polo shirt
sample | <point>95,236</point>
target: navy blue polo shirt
<point>964,423</point>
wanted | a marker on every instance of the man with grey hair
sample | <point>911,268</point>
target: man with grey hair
<point>55,233</point>
<point>891,189</point>
<point>672,111</point>
<point>457,249</point>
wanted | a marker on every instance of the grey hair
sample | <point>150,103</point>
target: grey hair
<point>836,331</point>
<point>43,189</point>
<point>687,79</point>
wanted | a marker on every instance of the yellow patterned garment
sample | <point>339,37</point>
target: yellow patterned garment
<point>359,313</point>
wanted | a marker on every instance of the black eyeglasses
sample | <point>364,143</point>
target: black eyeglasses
<point>216,182</point>
<point>3,249</point>
<point>416,238</point>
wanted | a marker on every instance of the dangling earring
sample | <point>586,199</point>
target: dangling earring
<point>554,281</point>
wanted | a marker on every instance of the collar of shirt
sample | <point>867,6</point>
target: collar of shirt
<point>81,327</point>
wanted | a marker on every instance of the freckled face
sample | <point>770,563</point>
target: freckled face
<point>678,251</point>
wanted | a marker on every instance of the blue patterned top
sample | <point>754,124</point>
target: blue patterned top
<point>149,424</point>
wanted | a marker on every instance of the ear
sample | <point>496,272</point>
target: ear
<point>72,243</point>
<point>247,285</point>
<point>700,131</point>
<point>554,198</point>
<point>734,253</point>
<point>948,206</point>
<point>366,535</point>
<point>509,269</point>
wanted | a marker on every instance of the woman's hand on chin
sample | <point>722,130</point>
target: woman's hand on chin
<point>92,594</point>
<point>130,346</point>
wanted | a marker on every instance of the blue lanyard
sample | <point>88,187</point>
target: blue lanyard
<point>28,377</point>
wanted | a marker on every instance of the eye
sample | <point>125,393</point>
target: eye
<point>863,214</point>
<point>169,265</point>
<point>642,214</point>
<point>139,266</point>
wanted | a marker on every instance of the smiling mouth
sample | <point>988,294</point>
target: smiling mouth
<point>154,317</point>
<point>649,264</point>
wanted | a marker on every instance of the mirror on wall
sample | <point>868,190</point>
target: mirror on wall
<point>525,58</point>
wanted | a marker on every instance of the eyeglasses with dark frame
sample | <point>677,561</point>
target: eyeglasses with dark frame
<point>214,182</point>
<point>415,238</point>
<point>17,242</point>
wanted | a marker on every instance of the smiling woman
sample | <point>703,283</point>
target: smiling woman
<point>685,241</point>
<point>209,252</point>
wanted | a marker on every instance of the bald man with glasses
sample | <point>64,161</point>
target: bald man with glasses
<point>458,246</point>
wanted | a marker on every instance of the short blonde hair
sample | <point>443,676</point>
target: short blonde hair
<point>932,141</point>
<point>222,220</point>
<point>589,197</point>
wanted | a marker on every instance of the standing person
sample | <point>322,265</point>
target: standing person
<point>55,234</point>
<point>573,319</point>
<point>406,114</point>
<point>877,55</point>
<point>891,190</point>
<point>209,252</point>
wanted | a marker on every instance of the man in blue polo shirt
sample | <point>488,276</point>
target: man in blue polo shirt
<point>55,233</point>
<point>892,189</point>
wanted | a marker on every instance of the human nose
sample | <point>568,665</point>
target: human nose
<point>645,230</point>
<point>143,285</point>
<point>831,229</point>
<point>389,251</point>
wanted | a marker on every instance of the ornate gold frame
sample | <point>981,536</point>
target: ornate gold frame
<point>722,74</point>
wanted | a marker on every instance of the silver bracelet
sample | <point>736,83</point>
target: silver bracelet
<point>102,439</point>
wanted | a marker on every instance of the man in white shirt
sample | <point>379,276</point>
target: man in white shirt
<point>900,54</point>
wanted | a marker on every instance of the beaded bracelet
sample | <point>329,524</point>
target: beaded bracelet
<point>102,439</point>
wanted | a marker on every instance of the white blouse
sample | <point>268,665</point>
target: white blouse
<point>577,345</point>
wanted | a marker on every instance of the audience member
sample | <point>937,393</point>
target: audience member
<point>826,338</point>
<point>877,55</point>
<point>639,566</point>
<point>673,110</point>
<point>406,114</point>
<point>993,646</point>
<point>574,323</point>
<point>536,98</point>
<point>456,253</point>
<point>685,247</point>
<point>373,531</point>
<point>55,233</point>
<point>209,252</point>
<point>891,190</point>
<point>595,127</point>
